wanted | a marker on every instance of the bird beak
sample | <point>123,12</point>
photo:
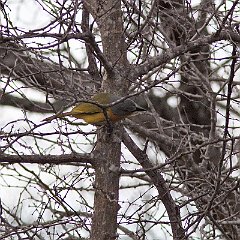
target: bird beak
<point>138,108</point>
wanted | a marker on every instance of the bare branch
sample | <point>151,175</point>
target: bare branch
<point>48,159</point>
<point>160,184</point>
<point>171,53</point>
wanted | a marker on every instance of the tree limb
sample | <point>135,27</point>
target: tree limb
<point>170,53</point>
<point>160,184</point>
<point>48,159</point>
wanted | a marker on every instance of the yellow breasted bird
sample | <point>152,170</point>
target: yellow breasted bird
<point>97,115</point>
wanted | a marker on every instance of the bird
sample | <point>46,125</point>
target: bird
<point>97,115</point>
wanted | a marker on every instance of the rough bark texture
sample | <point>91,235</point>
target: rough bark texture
<point>108,148</point>
<point>108,16</point>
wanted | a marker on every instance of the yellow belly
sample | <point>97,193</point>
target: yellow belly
<point>98,118</point>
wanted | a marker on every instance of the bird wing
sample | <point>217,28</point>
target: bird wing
<point>85,108</point>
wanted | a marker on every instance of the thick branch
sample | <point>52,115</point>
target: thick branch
<point>16,64</point>
<point>170,53</point>
<point>48,159</point>
<point>163,140</point>
<point>104,223</point>
<point>109,19</point>
<point>160,184</point>
<point>30,105</point>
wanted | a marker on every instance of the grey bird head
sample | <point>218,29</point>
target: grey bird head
<point>125,107</point>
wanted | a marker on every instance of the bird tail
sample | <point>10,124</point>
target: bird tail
<point>55,116</point>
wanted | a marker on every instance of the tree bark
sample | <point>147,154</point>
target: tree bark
<point>108,148</point>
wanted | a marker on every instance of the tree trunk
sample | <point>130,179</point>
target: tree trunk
<point>104,225</point>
